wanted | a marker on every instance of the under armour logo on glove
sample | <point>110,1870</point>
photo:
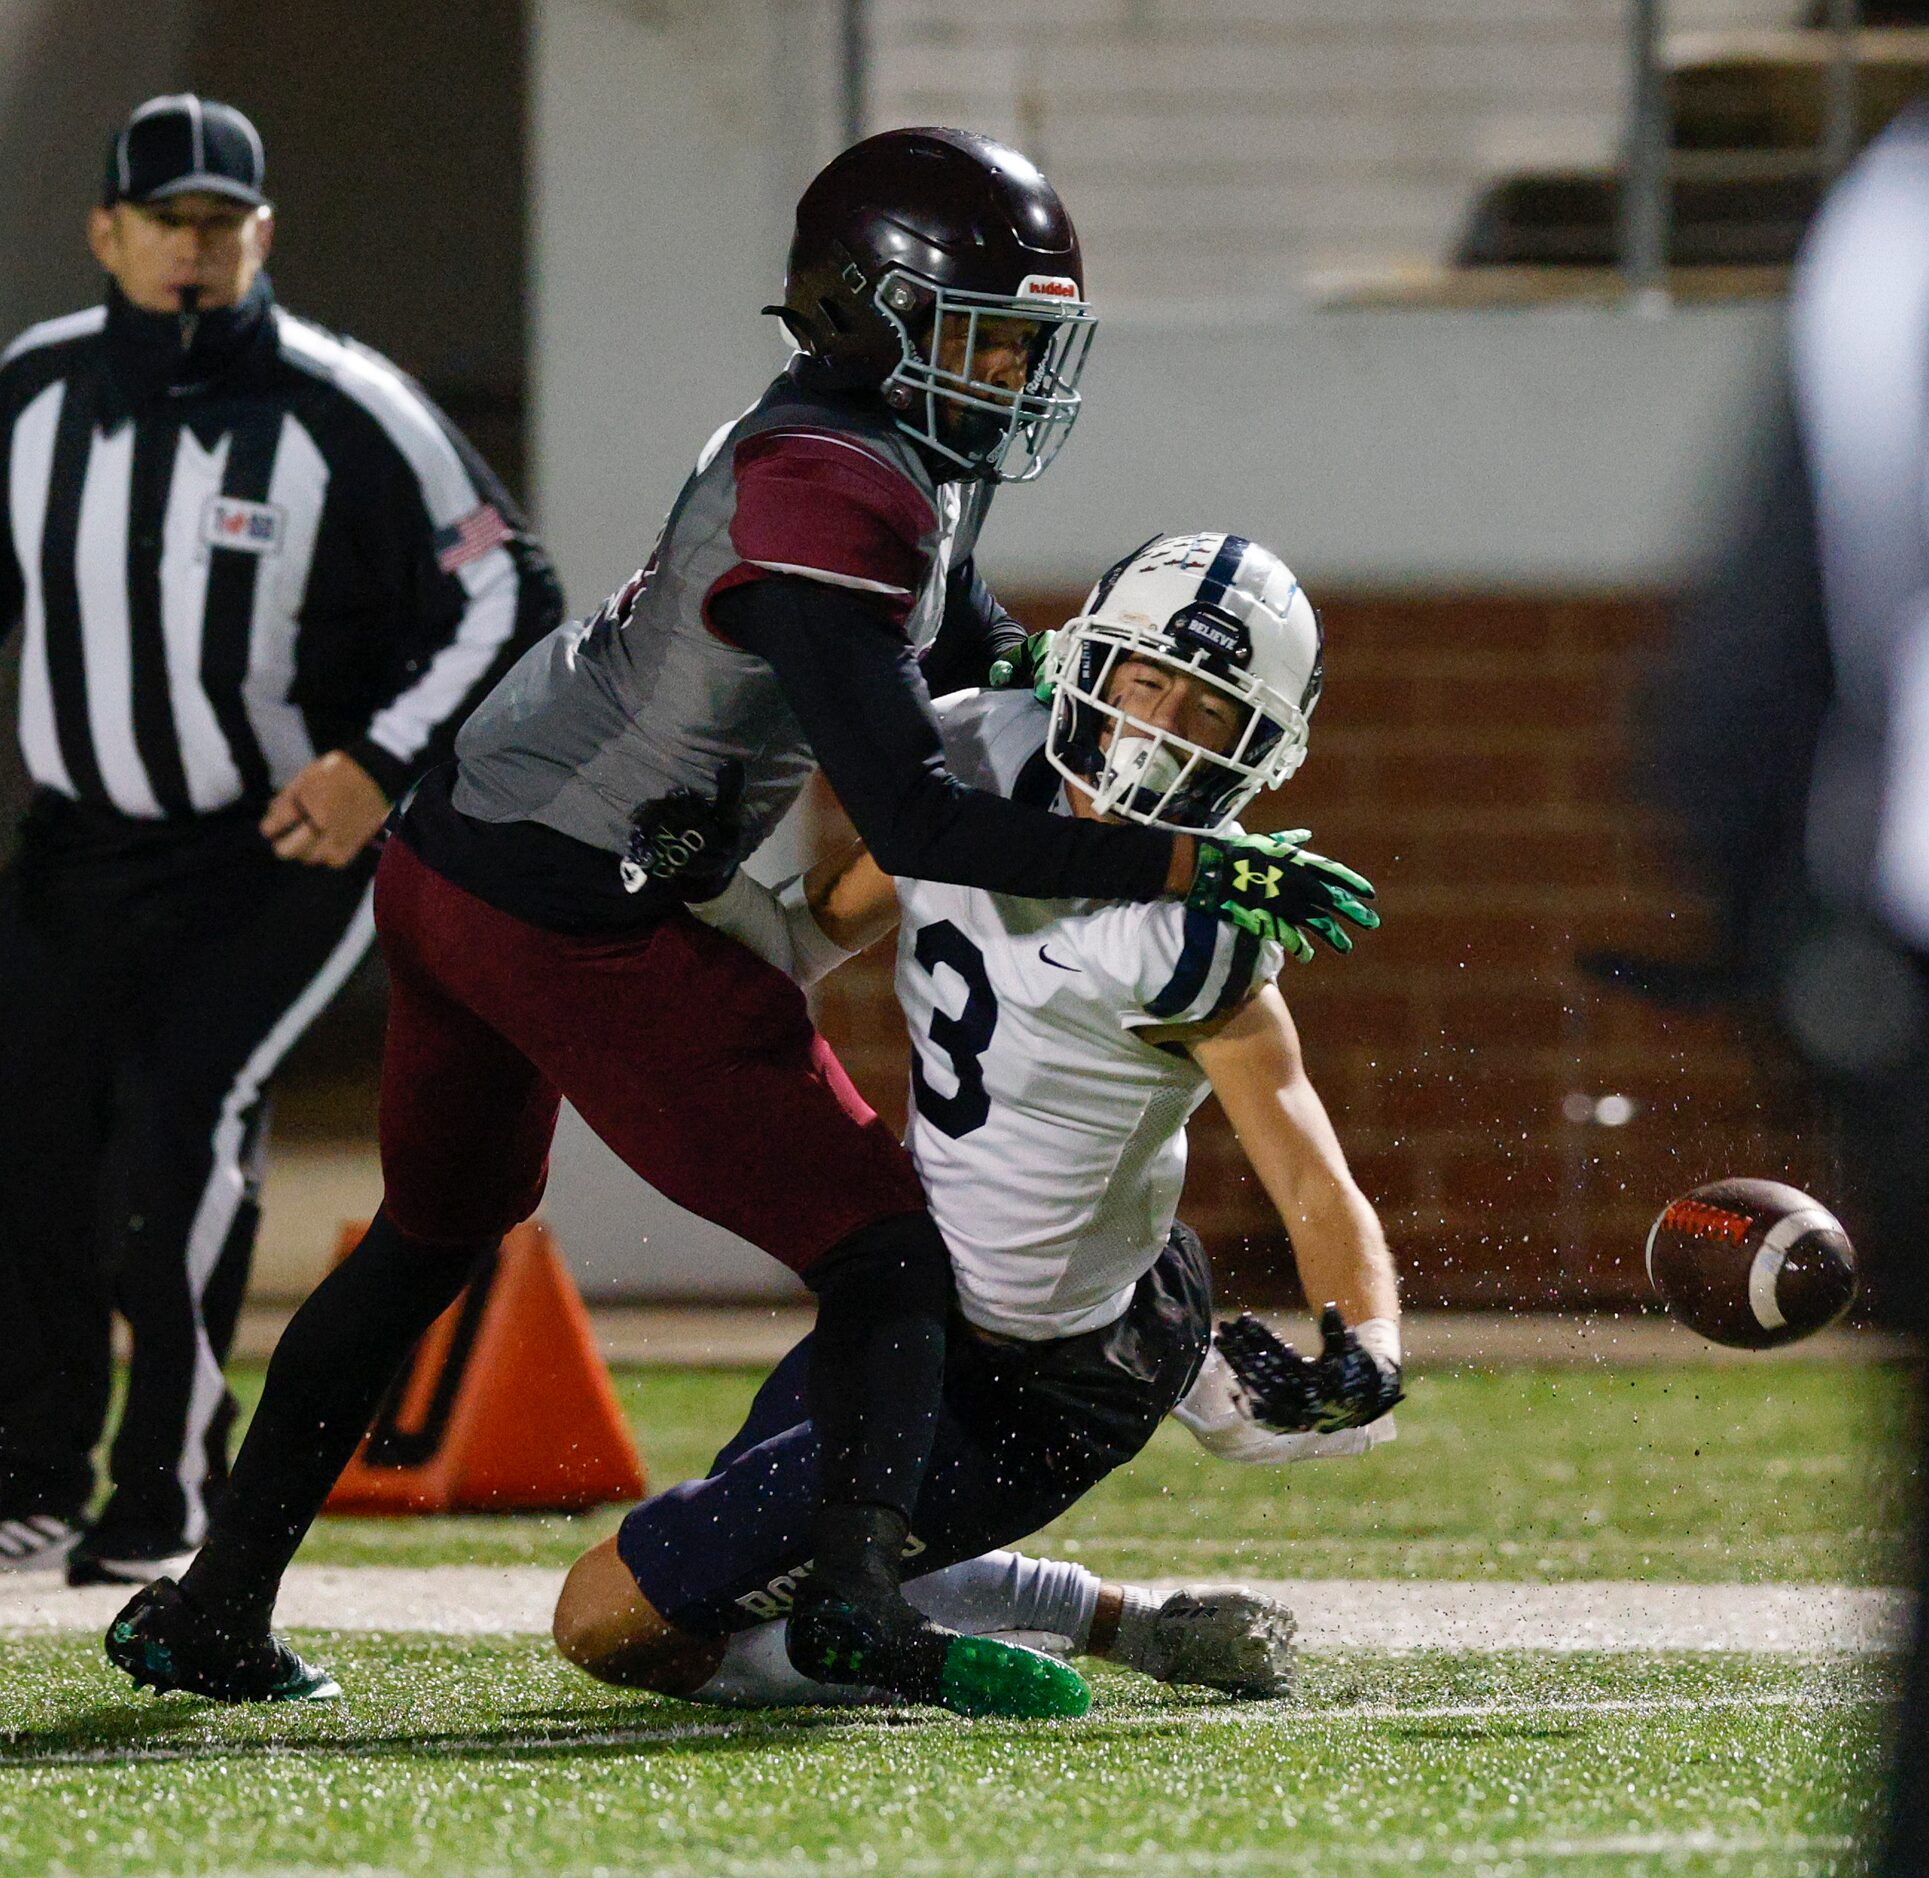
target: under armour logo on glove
<point>1274,887</point>
<point>686,841</point>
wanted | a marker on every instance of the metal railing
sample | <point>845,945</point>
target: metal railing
<point>1647,158</point>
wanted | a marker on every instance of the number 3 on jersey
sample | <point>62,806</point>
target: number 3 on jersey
<point>964,1038</point>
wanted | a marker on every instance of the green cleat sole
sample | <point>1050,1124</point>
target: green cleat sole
<point>983,1677</point>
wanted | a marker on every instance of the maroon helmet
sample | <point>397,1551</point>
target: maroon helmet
<point>915,251</point>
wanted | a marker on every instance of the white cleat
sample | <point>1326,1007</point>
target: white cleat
<point>1218,1637</point>
<point>37,1542</point>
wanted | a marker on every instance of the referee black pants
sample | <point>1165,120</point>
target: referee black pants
<point>152,978</point>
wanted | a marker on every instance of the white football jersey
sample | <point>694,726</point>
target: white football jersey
<point>1049,1134</point>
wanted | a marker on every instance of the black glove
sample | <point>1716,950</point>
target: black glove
<point>686,841</point>
<point>1272,886</point>
<point>1344,1387</point>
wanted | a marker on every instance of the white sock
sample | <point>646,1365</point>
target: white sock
<point>1133,1645</point>
<point>756,1673</point>
<point>1007,1591</point>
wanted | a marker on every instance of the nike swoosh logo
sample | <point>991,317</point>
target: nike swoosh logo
<point>1049,960</point>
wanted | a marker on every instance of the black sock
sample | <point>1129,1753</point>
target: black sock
<point>876,1376</point>
<point>336,1359</point>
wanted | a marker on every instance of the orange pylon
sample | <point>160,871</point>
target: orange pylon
<point>504,1404</point>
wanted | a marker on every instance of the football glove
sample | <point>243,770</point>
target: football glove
<point>1345,1386</point>
<point>1272,886</point>
<point>1026,663</point>
<point>686,841</point>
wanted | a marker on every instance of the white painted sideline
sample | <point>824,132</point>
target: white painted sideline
<point>1334,1613</point>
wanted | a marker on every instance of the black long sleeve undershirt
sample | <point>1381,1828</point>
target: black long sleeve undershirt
<point>975,632</point>
<point>855,687</point>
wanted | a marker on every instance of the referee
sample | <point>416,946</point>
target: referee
<point>261,580</point>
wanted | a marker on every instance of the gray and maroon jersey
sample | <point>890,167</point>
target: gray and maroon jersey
<point>648,696</point>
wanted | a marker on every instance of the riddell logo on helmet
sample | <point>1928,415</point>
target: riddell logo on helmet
<point>1047,287</point>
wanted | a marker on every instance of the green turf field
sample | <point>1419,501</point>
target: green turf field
<point>492,1758</point>
<point>459,1755</point>
<point>1695,1473</point>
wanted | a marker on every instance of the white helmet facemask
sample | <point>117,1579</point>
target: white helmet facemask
<point>1214,609</point>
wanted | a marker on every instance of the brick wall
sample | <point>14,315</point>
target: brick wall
<point>1468,757</point>
<point>1215,151</point>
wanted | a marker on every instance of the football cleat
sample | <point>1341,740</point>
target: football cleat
<point>1214,1638</point>
<point>164,1642</point>
<point>36,1542</point>
<point>986,1676</point>
<point>833,1640</point>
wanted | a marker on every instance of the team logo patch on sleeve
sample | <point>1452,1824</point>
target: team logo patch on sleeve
<point>253,527</point>
<point>475,535</point>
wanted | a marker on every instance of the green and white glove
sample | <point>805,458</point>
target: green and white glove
<point>1275,887</point>
<point>1027,663</point>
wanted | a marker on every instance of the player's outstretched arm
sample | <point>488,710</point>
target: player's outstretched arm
<point>1257,1072</point>
<point>850,677</point>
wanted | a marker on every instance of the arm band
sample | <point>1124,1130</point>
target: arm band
<point>776,924</point>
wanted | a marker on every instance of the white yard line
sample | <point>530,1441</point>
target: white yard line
<point>1321,1858</point>
<point>1245,1718</point>
<point>1334,1613</point>
<point>1315,1861</point>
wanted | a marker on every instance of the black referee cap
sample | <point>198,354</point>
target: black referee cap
<point>181,143</point>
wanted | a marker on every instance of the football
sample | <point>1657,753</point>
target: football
<point>1751,1263</point>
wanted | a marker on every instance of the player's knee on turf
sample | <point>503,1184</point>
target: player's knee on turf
<point>608,1628</point>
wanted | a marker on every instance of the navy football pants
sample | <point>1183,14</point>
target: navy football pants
<point>1025,1430</point>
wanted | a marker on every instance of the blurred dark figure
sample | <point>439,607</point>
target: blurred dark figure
<point>1791,739</point>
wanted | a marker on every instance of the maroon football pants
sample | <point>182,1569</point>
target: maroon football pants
<point>694,1060</point>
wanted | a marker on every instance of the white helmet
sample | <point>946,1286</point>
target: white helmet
<point>1215,607</point>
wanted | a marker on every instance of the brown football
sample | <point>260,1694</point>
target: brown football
<point>1751,1263</point>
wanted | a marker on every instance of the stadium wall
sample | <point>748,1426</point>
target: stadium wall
<point>1547,450</point>
<point>1473,471</point>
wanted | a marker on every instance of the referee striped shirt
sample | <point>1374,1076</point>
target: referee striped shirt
<point>220,582</point>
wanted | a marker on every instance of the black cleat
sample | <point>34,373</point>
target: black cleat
<point>831,1639</point>
<point>164,1642</point>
